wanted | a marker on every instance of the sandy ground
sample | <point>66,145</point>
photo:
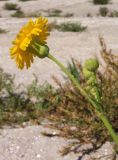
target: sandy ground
<point>28,143</point>
<point>77,7</point>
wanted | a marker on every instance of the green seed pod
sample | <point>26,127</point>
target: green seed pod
<point>91,64</point>
<point>88,88</point>
<point>87,73</point>
<point>92,80</point>
<point>95,92</point>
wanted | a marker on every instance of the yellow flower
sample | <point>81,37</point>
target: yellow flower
<point>33,32</point>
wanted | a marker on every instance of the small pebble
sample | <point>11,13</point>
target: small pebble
<point>38,155</point>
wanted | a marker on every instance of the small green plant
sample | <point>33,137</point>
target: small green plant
<point>114,14</point>
<point>101,1</point>
<point>53,25</point>
<point>73,69</point>
<point>11,6</point>
<point>3,31</point>
<point>71,27</point>
<point>54,13</point>
<point>89,15</point>
<point>18,13</point>
<point>33,14</point>
<point>18,107</point>
<point>103,11</point>
<point>68,15</point>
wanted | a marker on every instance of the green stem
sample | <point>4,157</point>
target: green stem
<point>97,106</point>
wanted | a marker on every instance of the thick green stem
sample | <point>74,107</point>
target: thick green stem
<point>97,106</point>
<point>109,127</point>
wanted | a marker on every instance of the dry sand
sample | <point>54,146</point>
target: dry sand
<point>28,144</point>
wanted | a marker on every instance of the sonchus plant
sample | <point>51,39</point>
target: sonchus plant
<point>31,42</point>
<point>89,72</point>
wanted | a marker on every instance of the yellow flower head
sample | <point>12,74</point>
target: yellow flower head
<point>33,32</point>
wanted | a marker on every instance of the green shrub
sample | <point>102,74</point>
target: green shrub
<point>54,13</point>
<point>101,1</point>
<point>103,11</point>
<point>11,6</point>
<point>17,106</point>
<point>11,102</point>
<point>33,14</point>
<point>18,13</point>
<point>114,14</point>
<point>71,27</point>
<point>53,25</point>
<point>2,31</point>
<point>68,15</point>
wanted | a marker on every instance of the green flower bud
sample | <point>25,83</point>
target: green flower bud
<point>92,80</point>
<point>43,51</point>
<point>88,88</point>
<point>91,64</point>
<point>40,50</point>
<point>95,92</point>
<point>87,73</point>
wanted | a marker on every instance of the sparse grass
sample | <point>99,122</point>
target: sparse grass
<point>3,30</point>
<point>89,15</point>
<point>54,13</point>
<point>58,13</point>
<point>71,27</point>
<point>53,25</point>
<point>101,1</point>
<point>11,6</point>
<point>68,15</point>
<point>103,11</point>
<point>33,14</point>
<point>114,14</point>
<point>18,107</point>
<point>19,14</point>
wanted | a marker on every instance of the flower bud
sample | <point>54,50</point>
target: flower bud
<point>43,51</point>
<point>91,64</point>
<point>87,73</point>
<point>40,50</point>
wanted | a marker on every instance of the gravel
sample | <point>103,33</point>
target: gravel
<point>29,144</point>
